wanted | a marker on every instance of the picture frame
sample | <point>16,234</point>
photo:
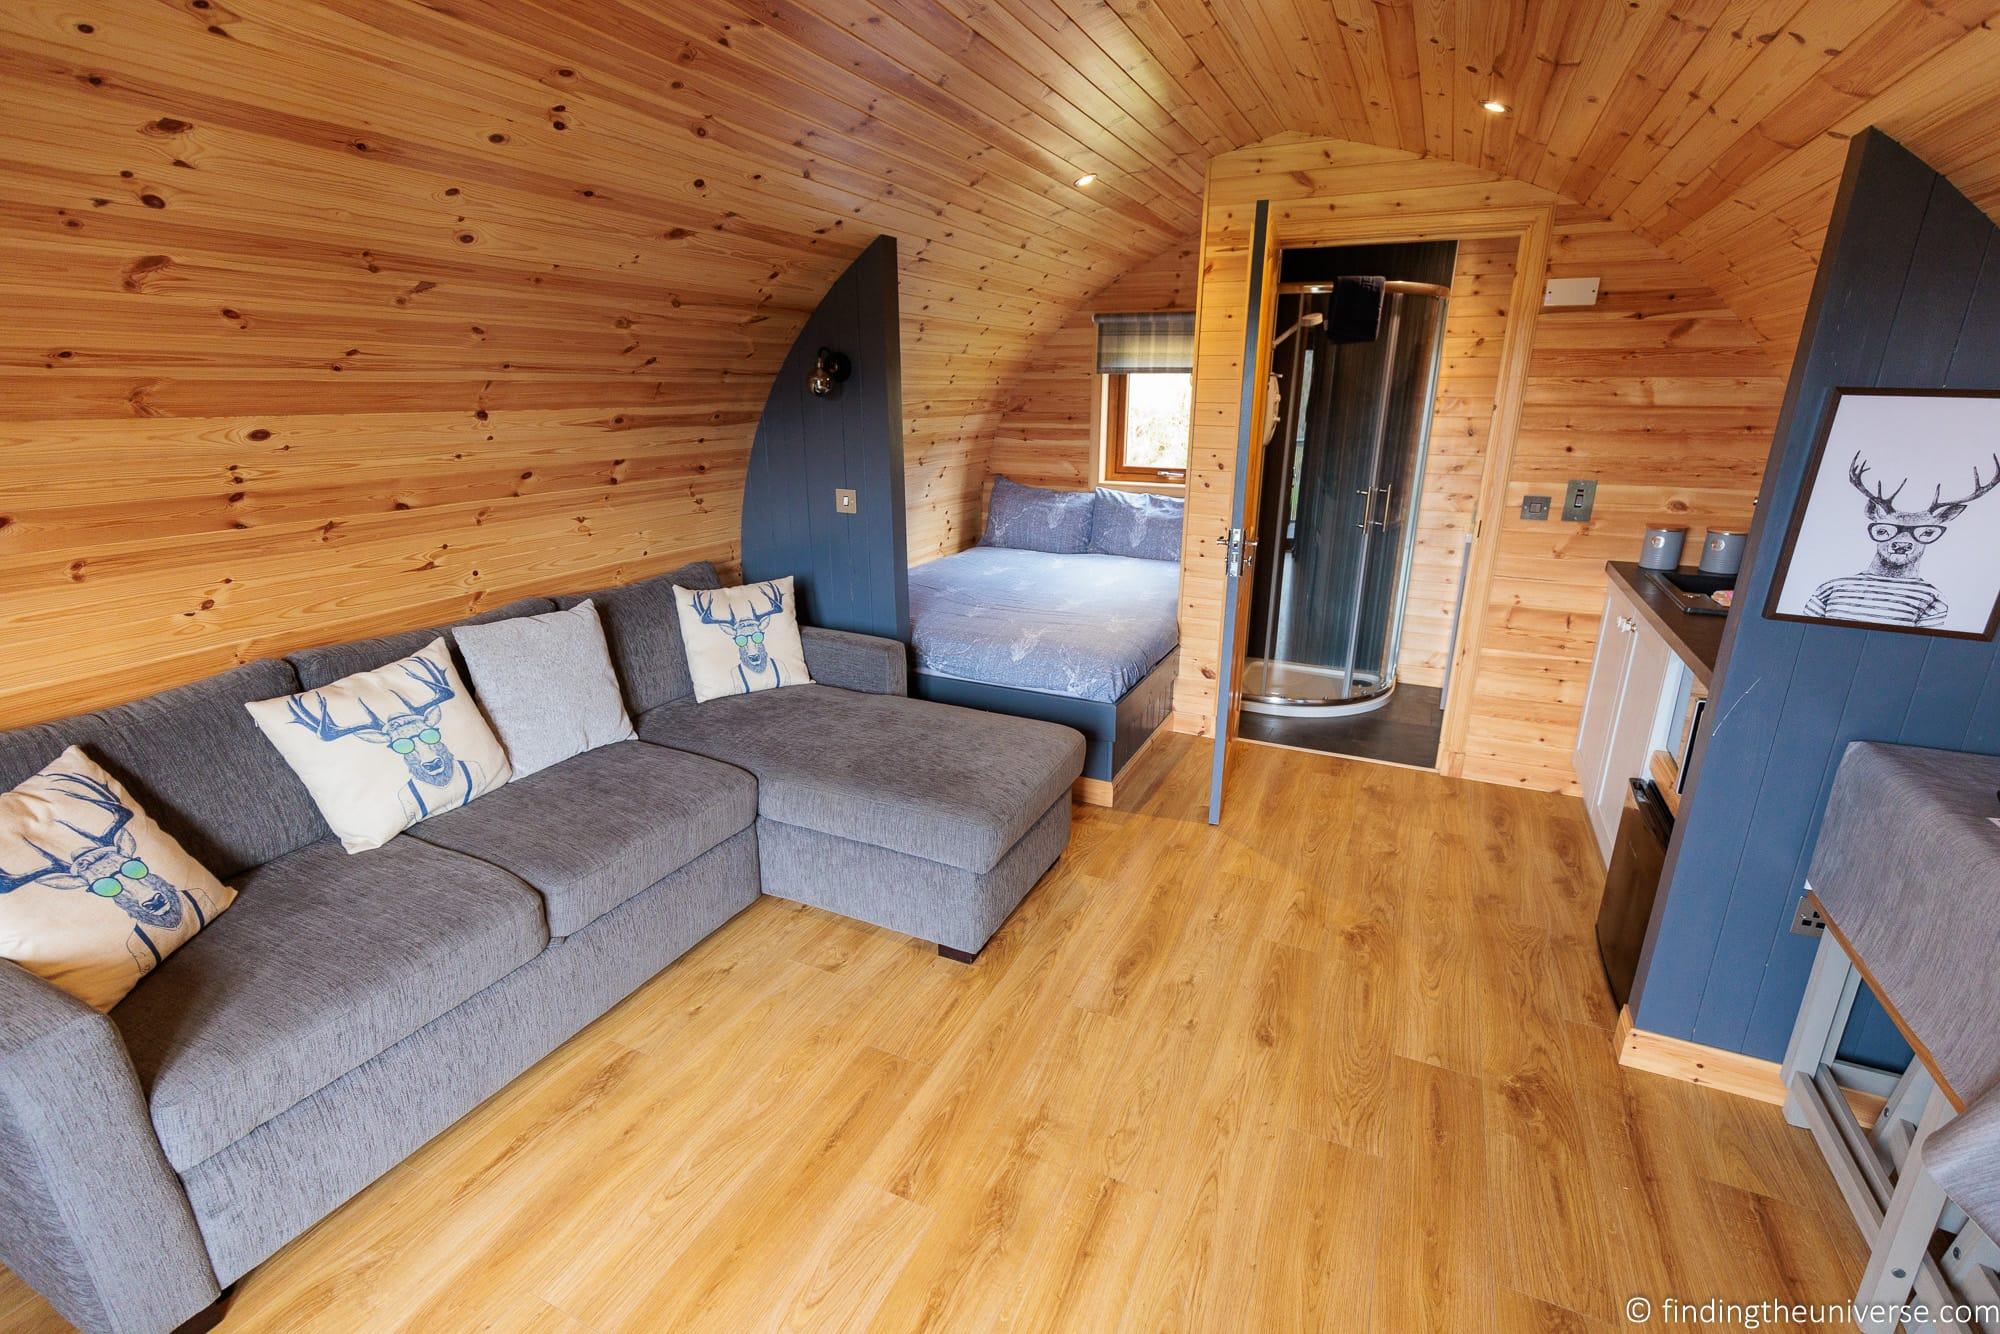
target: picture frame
<point>1866,548</point>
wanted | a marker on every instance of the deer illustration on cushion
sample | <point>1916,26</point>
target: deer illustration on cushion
<point>1890,591</point>
<point>747,630</point>
<point>106,863</point>
<point>438,780</point>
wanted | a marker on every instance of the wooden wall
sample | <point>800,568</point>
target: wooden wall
<point>1908,297</point>
<point>322,319</point>
<point>1658,392</point>
<point>1044,432</point>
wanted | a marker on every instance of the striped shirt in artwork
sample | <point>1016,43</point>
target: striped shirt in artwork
<point>1873,597</point>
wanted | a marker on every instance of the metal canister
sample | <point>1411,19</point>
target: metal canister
<point>1662,549</point>
<point>1722,551</point>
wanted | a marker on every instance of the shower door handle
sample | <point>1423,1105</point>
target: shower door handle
<point>1388,494</point>
<point>1367,494</point>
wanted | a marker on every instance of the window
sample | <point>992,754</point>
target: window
<point>1146,363</point>
<point>1146,417</point>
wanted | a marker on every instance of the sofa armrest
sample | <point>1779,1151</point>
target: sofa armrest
<point>867,663</point>
<point>91,1215</point>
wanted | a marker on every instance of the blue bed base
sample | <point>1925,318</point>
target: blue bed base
<point>1113,730</point>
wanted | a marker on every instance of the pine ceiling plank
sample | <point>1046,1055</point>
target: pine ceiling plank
<point>1342,107</point>
<point>1436,37</point>
<point>1898,42</point>
<point>1239,106</point>
<point>1398,23</point>
<point>1045,21</point>
<point>1737,37</point>
<point>1617,41</point>
<point>998,46</point>
<point>1817,34</point>
<point>1016,128</point>
<point>1282,66</point>
<point>1367,66</point>
<point>1663,53</point>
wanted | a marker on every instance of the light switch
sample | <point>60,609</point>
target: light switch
<point>844,500</point>
<point>1535,507</point>
<point>1578,500</point>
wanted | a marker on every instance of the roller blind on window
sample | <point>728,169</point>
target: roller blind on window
<point>1159,341</point>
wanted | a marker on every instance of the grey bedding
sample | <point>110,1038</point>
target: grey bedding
<point>1088,626</point>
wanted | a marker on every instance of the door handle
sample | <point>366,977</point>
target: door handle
<point>1627,624</point>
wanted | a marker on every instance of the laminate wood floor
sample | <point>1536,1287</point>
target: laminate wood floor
<point>1344,1064</point>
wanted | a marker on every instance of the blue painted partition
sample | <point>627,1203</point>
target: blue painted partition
<point>852,569</point>
<point>1907,296</point>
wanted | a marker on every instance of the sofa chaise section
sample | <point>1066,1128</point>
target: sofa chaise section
<point>920,817</point>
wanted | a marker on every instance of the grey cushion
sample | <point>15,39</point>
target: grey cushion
<point>927,899</point>
<point>196,762</point>
<point>1033,518</point>
<point>1133,523</point>
<point>323,961</point>
<point>269,1186</point>
<point>547,685</point>
<point>1964,1156</point>
<point>323,666</point>
<point>593,831</point>
<point>954,785</point>
<point>644,629</point>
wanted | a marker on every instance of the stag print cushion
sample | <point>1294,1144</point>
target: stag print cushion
<point>381,750</point>
<point>93,894</point>
<point>547,684</point>
<point>741,640</point>
<point>1033,518</point>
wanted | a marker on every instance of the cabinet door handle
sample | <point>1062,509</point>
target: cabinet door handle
<point>1627,624</point>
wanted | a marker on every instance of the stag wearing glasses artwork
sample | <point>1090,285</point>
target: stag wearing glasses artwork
<point>1891,590</point>
<point>1897,529</point>
<point>100,857</point>
<point>437,780</point>
<point>746,630</point>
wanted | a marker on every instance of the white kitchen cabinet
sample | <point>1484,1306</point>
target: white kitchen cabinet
<point>1623,711</point>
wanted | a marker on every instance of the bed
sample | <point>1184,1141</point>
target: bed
<point>1082,638</point>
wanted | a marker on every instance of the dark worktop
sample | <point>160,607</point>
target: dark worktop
<point>1696,640</point>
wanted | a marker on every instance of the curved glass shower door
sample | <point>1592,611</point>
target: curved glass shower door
<point>1342,479</point>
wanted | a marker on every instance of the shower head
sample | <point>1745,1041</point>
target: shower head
<point>1307,321</point>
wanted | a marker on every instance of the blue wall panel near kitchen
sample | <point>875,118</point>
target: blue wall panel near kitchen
<point>1907,296</point>
<point>852,569</point>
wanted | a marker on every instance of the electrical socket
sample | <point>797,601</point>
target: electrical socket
<point>1806,920</point>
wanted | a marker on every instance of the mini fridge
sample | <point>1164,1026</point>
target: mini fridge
<point>1630,885</point>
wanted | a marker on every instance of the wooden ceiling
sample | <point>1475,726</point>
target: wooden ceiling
<point>708,166</point>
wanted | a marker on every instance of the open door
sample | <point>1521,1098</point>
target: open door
<point>1240,538</point>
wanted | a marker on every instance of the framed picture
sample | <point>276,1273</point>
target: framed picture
<point>1898,524</point>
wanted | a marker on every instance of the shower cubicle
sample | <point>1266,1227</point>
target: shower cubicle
<point>1343,473</point>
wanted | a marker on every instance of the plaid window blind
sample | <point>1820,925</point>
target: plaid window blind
<point>1151,342</point>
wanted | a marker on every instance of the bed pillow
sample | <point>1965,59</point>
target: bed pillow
<point>742,640</point>
<point>93,894</point>
<point>381,750</point>
<point>547,685</point>
<point>1134,523</point>
<point>1033,518</point>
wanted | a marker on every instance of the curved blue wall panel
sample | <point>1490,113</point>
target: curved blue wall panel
<point>852,569</point>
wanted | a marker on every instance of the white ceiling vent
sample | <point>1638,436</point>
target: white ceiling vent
<point>1570,292</point>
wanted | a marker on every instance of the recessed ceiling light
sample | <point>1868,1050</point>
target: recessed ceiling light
<point>1495,105</point>
<point>1087,178</point>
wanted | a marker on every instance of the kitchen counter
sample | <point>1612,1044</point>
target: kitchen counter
<point>1695,640</point>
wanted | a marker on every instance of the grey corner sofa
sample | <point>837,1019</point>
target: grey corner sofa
<point>348,1008</point>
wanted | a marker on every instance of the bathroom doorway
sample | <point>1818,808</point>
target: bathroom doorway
<point>1355,365</point>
